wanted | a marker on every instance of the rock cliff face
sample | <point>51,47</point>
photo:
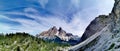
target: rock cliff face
<point>51,32</point>
<point>61,32</point>
<point>95,26</point>
<point>103,33</point>
<point>101,21</point>
<point>59,35</point>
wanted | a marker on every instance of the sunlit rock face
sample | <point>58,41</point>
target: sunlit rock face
<point>51,32</point>
<point>59,35</point>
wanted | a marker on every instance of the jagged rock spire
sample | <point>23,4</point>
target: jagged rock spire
<point>51,32</point>
<point>61,31</point>
<point>54,32</point>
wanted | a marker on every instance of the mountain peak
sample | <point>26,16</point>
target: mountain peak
<point>61,31</point>
<point>54,27</point>
<point>51,32</point>
<point>60,28</point>
<point>54,33</point>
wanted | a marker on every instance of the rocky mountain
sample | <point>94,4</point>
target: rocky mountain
<point>103,33</point>
<point>51,32</point>
<point>95,26</point>
<point>59,35</point>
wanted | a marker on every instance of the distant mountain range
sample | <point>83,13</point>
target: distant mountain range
<point>59,36</point>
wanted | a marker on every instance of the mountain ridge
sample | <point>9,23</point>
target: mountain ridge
<point>59,35</point>
<point>107,40</point>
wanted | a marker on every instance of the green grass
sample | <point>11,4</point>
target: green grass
<point>26,42</point>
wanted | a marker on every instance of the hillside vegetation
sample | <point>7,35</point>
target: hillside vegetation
<point>25,42</point>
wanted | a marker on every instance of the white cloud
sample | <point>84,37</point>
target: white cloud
<point>79,22</point>
<point>105,7</point>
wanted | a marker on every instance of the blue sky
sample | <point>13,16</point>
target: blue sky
<point>35,16</point>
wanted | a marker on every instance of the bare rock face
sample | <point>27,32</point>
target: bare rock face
<point>100,22</point>
<point>61,32</point>
<point>95,26</point>
<point>59,35</point>
<point>109,38</point>
<point>100,37</point>
<point>116,9</point>
<point>51,32</point>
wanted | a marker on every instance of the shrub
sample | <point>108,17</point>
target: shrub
<point>111,46</point>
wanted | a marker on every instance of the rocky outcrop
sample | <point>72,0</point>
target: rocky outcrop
<point>59,35</point>
<point>61,32</point>
<point>95,26</point>
<point>51,32</point>
<point>116,11</point>
<point>104,37</point>
<point>99,22</point>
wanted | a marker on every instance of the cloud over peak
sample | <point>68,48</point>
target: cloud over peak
<point>38,15</point>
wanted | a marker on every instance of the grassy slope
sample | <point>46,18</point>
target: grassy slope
<point>26,42</point>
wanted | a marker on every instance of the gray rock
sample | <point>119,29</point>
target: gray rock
<point>51,32</point>
<point>98,36</point>
<point>58,35</point>
<point>95,26</point>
